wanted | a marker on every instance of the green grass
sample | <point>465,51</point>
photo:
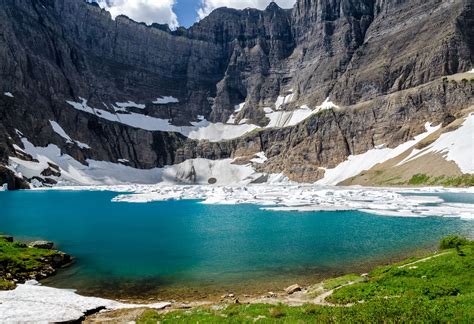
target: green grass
<point>466,180</point>
<point>337,282</point>
<point>20,261</point>
<point>440,289</point>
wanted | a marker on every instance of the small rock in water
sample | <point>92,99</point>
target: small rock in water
<point>292,289</point>
<point>41,245</point>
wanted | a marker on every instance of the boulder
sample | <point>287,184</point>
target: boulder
<point>292,289</point>
<point>6,238</point>
<point>41,245</point>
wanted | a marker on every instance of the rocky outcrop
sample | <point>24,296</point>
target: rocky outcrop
<point>381,61</point>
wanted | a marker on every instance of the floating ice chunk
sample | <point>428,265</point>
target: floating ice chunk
<point>8,94</point>
<point>163,100</point>
<point>4,187</point>
<point>289,197</point>
<point>34,303</point>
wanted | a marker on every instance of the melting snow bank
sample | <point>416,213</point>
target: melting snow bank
<point>457,146</point>
<point>355,164</point>
<point>34,303</point>
<point>379,201</point>
<point>202,130</point>
<point>198,171</point>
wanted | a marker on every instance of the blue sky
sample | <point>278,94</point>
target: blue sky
<point>186,10</point>
<point>178,12</point>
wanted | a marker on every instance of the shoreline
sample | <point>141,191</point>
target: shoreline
<point>215,291</point>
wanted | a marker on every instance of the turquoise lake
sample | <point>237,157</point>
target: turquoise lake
<point>184,248</point>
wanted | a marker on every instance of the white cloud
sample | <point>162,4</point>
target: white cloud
<point>148,11</point>
<point>209,5</point>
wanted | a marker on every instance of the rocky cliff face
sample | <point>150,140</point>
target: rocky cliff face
<point>381,61</point>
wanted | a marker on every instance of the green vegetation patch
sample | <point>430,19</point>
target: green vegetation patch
<point>17,261</point>
<point>340,281</point>
<point>466,180</point>
<point>439,288</point>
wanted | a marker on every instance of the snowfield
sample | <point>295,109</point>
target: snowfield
<point>31,302</point>
<point>199,171</point>
<point>203,129</point>
<point>456,146</point>
<point>355,164</point>
<point>60,131</point>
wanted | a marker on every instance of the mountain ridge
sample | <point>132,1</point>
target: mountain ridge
<point>273,61</point>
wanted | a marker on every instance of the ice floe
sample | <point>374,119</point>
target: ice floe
<point>290,197</point>
<point>355,164</point>
<point>457,146</point>
<point>34,303</point>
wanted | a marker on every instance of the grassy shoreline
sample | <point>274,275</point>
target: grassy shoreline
<point>20,262</point>
<point>436,288</point>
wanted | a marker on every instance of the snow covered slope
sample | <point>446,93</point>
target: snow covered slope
<point>71,171</point>
<point>355,164</point>
<point>457,146</point>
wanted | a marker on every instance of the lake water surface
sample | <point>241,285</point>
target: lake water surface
<point>186,249</point>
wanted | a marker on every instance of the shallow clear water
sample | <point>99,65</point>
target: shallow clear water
<point>185,248</point>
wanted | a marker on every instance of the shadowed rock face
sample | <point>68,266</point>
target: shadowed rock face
<point>357,52</point>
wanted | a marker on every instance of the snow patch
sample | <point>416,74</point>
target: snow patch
<point>472,71</point>
<point>259,158</point>
<point>355,164</point>
<point>34,303</point>
<point>8,94</point>
<point>129,104</point>
<point>202,130</point>
<point>456,146</point>
<point>196,171</point>
<point>60,131</point>
<point>290,118</point>
<point>237,109</point>
<point>163,100</point>
<point>283,100</point>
